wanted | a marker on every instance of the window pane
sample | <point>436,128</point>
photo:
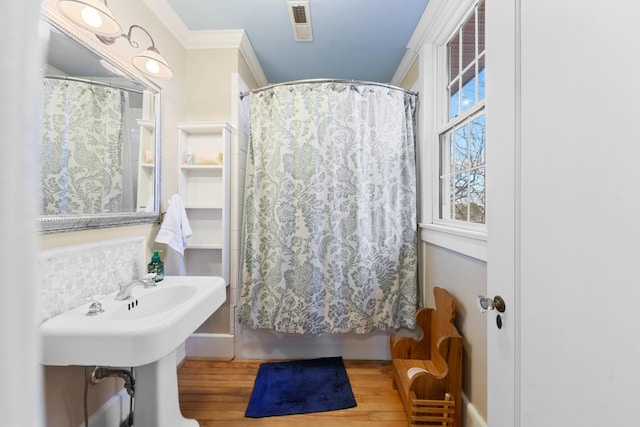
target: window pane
<point>469,41</point>
<point>476,142</point>
<point>480,28</point>
<point>454,100</point>
<point>477,196</point>
<point>461,196</point>
<point>451,162</point>
<point>461,149</point>
<point>454,58</point>
<point>468,89</point>
<point>481,78</point>
<point>462,162</point>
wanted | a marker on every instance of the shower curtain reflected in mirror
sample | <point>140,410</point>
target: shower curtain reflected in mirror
<point>330,238</point>
<point>84,149</point>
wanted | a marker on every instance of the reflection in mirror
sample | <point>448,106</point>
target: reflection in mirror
<point>99,145</point>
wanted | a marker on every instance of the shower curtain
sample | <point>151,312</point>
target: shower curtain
<point>330,228</point>
<point>82,142</point>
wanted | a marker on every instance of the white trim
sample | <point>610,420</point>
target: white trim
<point>470,415</point>
<point>210,345</point>
<point>271,345</point>
<point>215,39</point>
<point>430,27</point>
<point>407,61</point>
<point>165,13</point>
<point>438,21</point>
<point>466,242</point>
<point>246,49</point>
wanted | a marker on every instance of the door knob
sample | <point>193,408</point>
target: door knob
<point>485,304</point>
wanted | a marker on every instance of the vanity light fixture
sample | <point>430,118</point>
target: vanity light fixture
<point>95,16</point>
<point>149,61</point>
<point>92,15</point>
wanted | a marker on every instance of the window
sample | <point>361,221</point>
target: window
<point>462,134</point>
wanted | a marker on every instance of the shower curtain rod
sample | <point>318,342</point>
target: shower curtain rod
<point>93,82</point>
<point>354,82</point>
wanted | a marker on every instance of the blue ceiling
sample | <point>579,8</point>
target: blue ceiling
<point>352,39</point>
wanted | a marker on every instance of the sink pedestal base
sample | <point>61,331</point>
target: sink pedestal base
<point>156,395</point>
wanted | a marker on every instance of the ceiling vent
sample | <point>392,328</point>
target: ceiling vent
<point>300,20</point>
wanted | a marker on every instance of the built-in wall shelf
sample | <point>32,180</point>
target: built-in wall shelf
<point>204,185</point>
<point>146,160</point>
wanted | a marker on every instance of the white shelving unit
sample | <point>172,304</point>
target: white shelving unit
<point>204,185</point>
<point>146,160</point>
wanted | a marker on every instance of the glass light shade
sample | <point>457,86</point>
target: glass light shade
<point>92,15</point>
<point>151,63</point>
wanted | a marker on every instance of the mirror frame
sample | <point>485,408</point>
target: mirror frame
<point>55,224</point>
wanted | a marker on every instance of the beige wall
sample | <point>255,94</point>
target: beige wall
<point>57,240</point>
<point>412,76</point>
<point>209,83</point>
<point>209,95</point>
<point>465,278</point>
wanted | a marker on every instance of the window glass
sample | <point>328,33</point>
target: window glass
<point>463,140</point>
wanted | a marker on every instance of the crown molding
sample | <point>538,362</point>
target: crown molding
<point>215,39</point>
<point>249,55</point>
<point>435,23</point>
<point>165,13</point>
<point>218,39</point>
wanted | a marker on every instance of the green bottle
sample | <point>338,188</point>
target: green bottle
<point>156,266</point>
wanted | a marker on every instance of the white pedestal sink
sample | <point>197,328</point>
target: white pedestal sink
<point>144,332</point>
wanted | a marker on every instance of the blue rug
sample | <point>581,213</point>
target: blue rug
<point>300,387</point>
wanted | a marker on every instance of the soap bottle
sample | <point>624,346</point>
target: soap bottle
<point>156,266</point>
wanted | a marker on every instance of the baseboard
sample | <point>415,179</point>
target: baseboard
<point>470,415</point>
<point>210,345</point>
<point>113,413</point>
<point>268,344</point>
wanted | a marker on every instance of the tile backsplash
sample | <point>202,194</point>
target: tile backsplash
<point>73,275</point>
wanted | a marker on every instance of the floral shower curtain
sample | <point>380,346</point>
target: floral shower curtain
<point>330,238</point>
<point>82,142</point>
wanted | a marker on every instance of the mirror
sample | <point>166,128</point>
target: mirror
<point>100,157</point>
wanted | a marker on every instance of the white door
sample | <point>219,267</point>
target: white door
<point>564,212</point>
<point>502,188</point>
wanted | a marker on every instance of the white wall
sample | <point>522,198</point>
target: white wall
<point>577,231</point>
<point>580,238</point>
<point>19,292</point>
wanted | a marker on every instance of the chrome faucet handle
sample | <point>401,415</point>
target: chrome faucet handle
<point>149,280</point>
<point>95,307</point>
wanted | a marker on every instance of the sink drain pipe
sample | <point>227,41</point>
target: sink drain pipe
<point>102,372</point>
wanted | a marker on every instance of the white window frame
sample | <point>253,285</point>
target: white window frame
<point>440,22</point>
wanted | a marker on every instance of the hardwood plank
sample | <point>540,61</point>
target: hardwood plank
<point>217,392</point>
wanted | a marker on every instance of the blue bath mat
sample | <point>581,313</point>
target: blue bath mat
<point>300,387</point>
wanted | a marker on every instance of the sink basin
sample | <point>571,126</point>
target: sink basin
<point>134,332</point>
<point>161,300</point>
<point>144,332</point>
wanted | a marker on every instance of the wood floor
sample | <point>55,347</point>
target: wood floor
<point>216,393</point>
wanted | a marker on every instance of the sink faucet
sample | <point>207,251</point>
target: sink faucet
<point>125,290</point>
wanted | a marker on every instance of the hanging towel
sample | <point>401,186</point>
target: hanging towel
<point>175,227</point>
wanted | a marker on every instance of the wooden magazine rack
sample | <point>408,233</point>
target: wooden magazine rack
<point>427,372</point>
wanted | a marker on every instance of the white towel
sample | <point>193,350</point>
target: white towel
<point>175,227</point>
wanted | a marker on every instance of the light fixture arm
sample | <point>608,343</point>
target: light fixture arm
<point>135,44</point>
<point>111,40</point>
